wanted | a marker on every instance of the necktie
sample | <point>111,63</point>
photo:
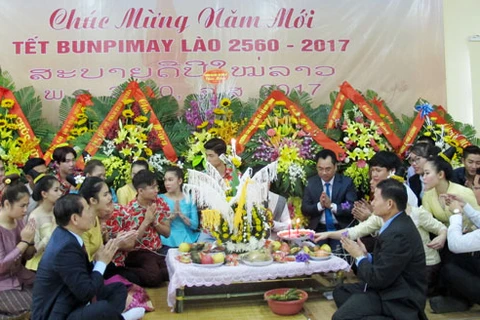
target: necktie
<point>328,213</point>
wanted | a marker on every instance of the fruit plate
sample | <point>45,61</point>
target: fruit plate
<point>208,265</point>
<point>258,263</point>
<point>294,234</point>
<point>320,258</point>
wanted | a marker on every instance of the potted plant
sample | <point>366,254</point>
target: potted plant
<point>286,301</point>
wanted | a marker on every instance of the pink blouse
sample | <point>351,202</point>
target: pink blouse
<point>13,273</point>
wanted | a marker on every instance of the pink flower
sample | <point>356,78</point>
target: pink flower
<point>361,163</point>
<point>301,134</point>
<point>271,132</point>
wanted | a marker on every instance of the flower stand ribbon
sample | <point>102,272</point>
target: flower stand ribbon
<point>427,110</point>
<point>348,92</point>
<point>61,136</point>
<point>24,129</point>
<point>278,98</point>
<point>132,91</point>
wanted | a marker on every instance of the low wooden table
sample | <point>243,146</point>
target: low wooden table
<point>188,275</point>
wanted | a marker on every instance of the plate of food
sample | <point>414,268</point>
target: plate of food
<point>320,257</point>
<point>296,234</point>
<point>257,258</point>
<point>257,263</point>
<point>208,265</point>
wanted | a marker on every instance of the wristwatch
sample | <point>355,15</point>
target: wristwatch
<point>456,211</point>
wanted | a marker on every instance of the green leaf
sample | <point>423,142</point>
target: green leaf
<point>6,80</point>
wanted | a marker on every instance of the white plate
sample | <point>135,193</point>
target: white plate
<point>258,263</point>
<point>284,234</point>
<point>320,258</point>
<point>211,265</point>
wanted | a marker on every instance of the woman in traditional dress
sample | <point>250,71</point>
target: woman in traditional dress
<point>46,192</point>
<point>16,245</point>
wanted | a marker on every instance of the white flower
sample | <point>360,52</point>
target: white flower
<point>79,179</point>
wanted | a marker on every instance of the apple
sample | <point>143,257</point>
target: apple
<point>184,247</point>
<point>206,259</point>
<point>218,257</point>
<point>276,245</point>
<point>285,247</point>
<point>325,247</point>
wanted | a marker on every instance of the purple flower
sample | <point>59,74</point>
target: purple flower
<point>346,205</point>
<point>302,257</point>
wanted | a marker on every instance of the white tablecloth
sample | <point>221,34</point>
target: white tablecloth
<point>189,275</point>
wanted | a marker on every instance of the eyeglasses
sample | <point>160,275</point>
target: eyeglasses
<point>415,160</point>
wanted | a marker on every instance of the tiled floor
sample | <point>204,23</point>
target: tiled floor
<point>316,308</point>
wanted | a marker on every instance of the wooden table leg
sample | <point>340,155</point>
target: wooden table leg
<point>180,294</point>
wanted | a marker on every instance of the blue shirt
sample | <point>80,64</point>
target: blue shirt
<point>179,231</point>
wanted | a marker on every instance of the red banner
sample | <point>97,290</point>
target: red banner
<point>383,111</point>
<point>438,117</point>
<point>162,136</point>
<point>132,90</point>
<point>368,111</point>
<point>24,129</point>
<point>411,135</point>
<point>69,123</point>
<point>336,112</point>
<point>277,97</point>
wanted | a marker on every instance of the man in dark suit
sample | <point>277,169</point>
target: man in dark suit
<point>328,197</point>
<point>471,162</point>
<point>393,280</point>
<point>67,285</point>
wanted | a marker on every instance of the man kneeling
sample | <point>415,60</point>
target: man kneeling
<point>67,285</point>
<point>393,280</point>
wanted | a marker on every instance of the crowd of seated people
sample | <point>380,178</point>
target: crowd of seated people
<point>131,238</point>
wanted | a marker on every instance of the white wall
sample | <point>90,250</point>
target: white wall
<point>462,60</point>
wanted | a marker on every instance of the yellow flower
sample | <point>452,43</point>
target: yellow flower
<point>12,126</point>
<point>141,119</point>
<point>225,102</point>
<point>82,130</point>
<point>130,127</point>
<point>218,111</point>
<point>70,138</point>
<point>11,116</point>
<point>143,137</point>
<point>3,123</point>
<point>81,122</point>
<point>203,125</point>
<point>280,103</point>
<point>7,103</point>
<point>82,116</point>
<point>126,151</point>
<point>237,162</point>
<point>128,101</point>
<point>128,113</point>
<point>74,132</point>
<point>148,152</point>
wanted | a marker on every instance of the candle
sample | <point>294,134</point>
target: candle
<point>234,146</point>
<point>298,225</point>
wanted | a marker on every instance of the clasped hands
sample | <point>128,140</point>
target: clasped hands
<point>325,201</point>
<point>451,201</point>
<point>354,248</point>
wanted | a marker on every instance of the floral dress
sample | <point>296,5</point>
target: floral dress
<point>151,239</point>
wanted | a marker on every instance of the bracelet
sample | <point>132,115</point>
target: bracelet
<point>30,244</point>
